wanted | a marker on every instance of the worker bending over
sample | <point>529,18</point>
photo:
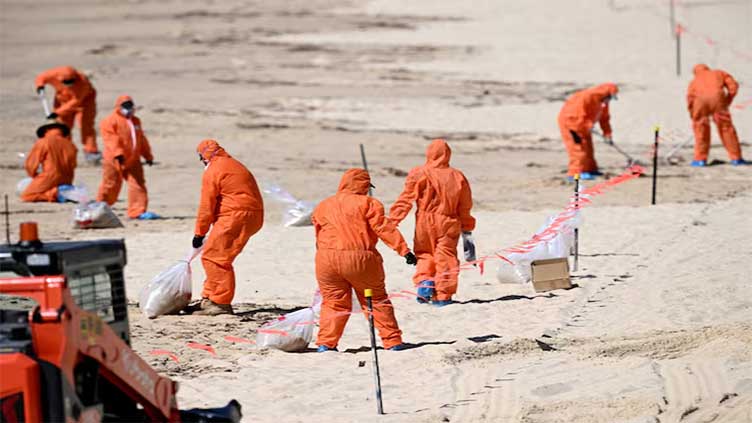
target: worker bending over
<point>75,101</point>
<point>710,94</point>
<point>443,202</point>
<point>124,146</point>
<point>576,120</point>
<point>231,205</point>
<point>51,163</point>
<point>348,225</point>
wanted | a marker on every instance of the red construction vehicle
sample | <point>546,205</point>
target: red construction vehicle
<point>65,351</point>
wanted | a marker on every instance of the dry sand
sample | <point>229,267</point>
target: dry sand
<point>659,327</point>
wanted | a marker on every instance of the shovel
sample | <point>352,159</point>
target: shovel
<point>631,161</point>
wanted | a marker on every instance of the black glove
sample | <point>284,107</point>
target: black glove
<point>52,115</point>
<point>576,137</point>
<point>150,162</point>
<point>120,160</point>
<point>198,241</point>
<point>40,90</point>
<point>411,259</point>
<point>468,244</point>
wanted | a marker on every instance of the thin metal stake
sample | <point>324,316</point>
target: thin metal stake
<point>376,373</point>
<point>365,165</point>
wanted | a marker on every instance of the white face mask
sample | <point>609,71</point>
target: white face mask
<point>126,112</point>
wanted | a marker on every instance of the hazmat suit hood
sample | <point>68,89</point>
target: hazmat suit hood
<point>120,100</point>
<point>438,154</point>
<point>699,68</point>
<point>67,73</point>
<point>607,89</point>
<point>209,149</point>
<point>355,181</point>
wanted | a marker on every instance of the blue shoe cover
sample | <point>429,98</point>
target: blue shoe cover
<point>699,163</point>
<point>61,189</point>
<point>426,291</point>
<point>398,347</point>
<point>442,303</point>
<point>324,348</point>
<point>587,176</point>
<point>739,162</point>
<point>148,216</point>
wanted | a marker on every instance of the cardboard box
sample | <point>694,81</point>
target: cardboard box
<point>551,274</point>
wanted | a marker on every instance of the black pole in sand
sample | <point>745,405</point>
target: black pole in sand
<point>655,163</point>
<point>365,165</point>
<point>376,373</point>
<point>576,230</point>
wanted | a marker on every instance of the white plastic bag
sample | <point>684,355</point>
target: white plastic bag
<point>557,247</point>
<point>291,332</point>
<point>170,291</point>
<point>78,194</point>
<point>95,215</point>
<point>22,185</point>
<point>297,212</point>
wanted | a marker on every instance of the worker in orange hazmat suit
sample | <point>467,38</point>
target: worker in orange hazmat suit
<point>576,120</point>
<point>710,94</point>
<point>51,163</point>
<point>124,146</point>
<point>443,201</point>
<point>231,205</point>
<point>348,225</point>
<point>75,101</point>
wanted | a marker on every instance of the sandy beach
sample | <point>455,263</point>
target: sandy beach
<point>659,325</point>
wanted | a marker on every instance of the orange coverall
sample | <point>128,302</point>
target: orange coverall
<point>348,225</point>
<point>232,206</point>
<point>576,121</point>
<point>710,94</point>
<point>443,201</point>
<point>124,137</point>
<point>73,103</point>
<point>57,155</point>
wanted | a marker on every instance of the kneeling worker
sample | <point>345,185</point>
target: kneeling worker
<point>56,155</point>
<point>231,205</point>
<point>348,225</point>
<point>124,145</point>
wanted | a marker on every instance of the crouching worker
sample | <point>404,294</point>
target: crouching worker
<point>231,205</point>
<point>443,201</point>
<point>348,225</point>
<point>51,164</point>
<point>124,146</point>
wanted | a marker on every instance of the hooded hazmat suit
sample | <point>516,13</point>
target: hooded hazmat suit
<point>231,205</point>
<point>73,103</point>
<point>56,154</point>
<point>124,138</point>
<point>348,225</point>
<point>710,94</point>
<point>576,120</point>
<point>443,201</point>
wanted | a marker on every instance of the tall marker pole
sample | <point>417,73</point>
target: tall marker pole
<point>655,162</point>
<point>365,166</point>
<point>376,373</point>
<point>576,230</point>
